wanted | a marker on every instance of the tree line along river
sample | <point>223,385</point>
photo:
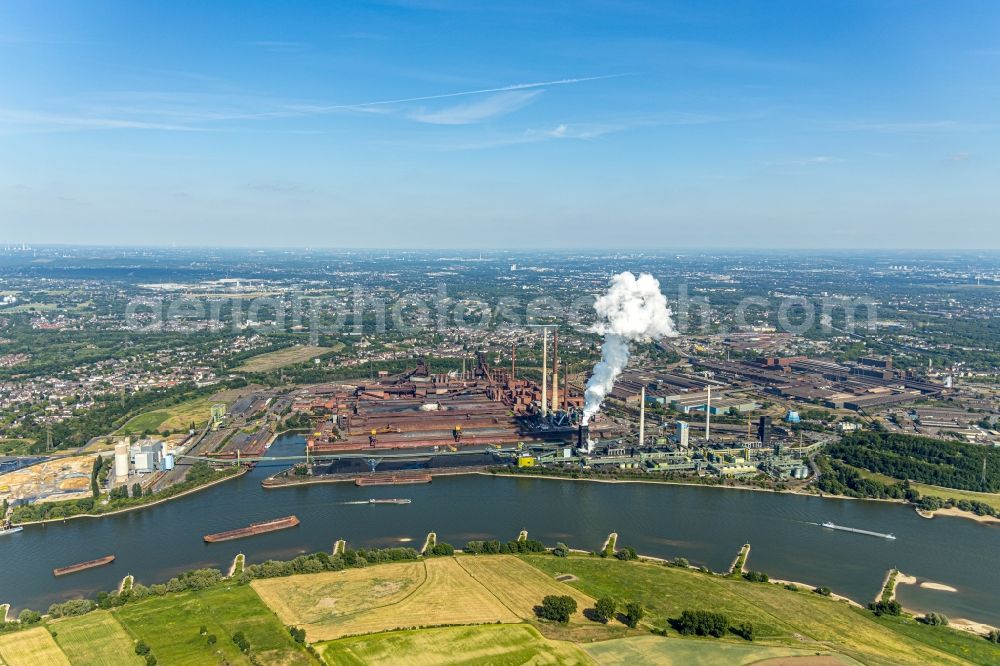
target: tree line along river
<point>705,525</point>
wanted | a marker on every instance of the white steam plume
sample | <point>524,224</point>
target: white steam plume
<point>633,309</point>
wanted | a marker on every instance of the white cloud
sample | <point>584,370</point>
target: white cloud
<point>490,107</point>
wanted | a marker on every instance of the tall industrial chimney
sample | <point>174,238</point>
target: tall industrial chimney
<point>545,370</point>
<point>583,438</point>
<point>708,414</point>
<point>555,369</point>
<point>642,417</point>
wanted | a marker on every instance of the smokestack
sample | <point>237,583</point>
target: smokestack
<point>555,369</point>
<point>545,369</point>
<point>708,414</point>
<point>583,438</point>
<point>513,361</point>
<point>566,391</point>
<point>642,417</point>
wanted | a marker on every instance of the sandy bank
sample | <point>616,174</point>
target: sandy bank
<point>929,585</point>
<point>958,513</point>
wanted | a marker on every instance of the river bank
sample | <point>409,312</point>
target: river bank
<point>955,513</point>
<point>144,505</point>
<point>958,513</point>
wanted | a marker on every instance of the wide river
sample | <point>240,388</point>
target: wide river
<point>705,525</point>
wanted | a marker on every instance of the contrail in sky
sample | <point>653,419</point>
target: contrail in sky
<point>516,86</point>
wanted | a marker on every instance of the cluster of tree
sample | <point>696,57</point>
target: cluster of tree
<point>932,503</point>
<point>495,547</point>
<point>624,554</point>
<point>561,550</point>
<point>144,651</point>
<point>72,607</point>
<point>934,619</point>
<point>924,459</point>
<point>701,623</point>
<point>297,421</point>
<point>756,576</point>
<point>240,640</point>
<point>823,591</point>
<point>322,561</point>
<point>28,616</point>
<point>558,608</point>
<point>439,549</point>
<point>840,479</point>
<point>298,634</point>
<point>885,607</point>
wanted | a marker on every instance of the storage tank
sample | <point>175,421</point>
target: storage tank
<point>168,461</point>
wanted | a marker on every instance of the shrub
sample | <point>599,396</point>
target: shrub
<point>680,562</point>
<point>298,635</point>
<point>634,612</point>
<point>211,639</point>
<point>240,641</point>
<point>558,608</point>
<point>28,616</point>
<point>561,550</point>
<point>993,636</point>
<point>756,576</point>
<point>885,607</point>
<point>439,549</point>
<point>203,630</point>
<point>150,659</point>
<point>825,591</point>
<point>72,607</point>
<point>627,553</point>
<point>744,630</point>
<point>605,609</point>
<point>935,619</point>
<point>141,648</point>
<point>792,586</point>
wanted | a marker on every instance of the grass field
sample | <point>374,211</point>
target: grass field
<point>30,647</point>
<point>499,645</point>
<point>993,499</point>
<point>170,625</point>
<point>180,416</point>
<point>279,359</point>
<point>781,617</point>
<point>707,652</point>
<point>95,639</point>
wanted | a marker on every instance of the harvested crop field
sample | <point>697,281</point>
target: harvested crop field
<point>29,647</point>
<point>521,586</point>
<point>446,594</point>
<point>316,599</point>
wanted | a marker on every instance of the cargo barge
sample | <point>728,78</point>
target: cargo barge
<point>81,566</point>
<point>392,479</point>
<point>831,526</point>
<point>253,529</point>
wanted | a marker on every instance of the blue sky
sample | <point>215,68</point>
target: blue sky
<point>501,124</point>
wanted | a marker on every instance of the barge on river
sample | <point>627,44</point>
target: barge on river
<point>253,529</point>
<point>81,566</point>
<point>831,526</point>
